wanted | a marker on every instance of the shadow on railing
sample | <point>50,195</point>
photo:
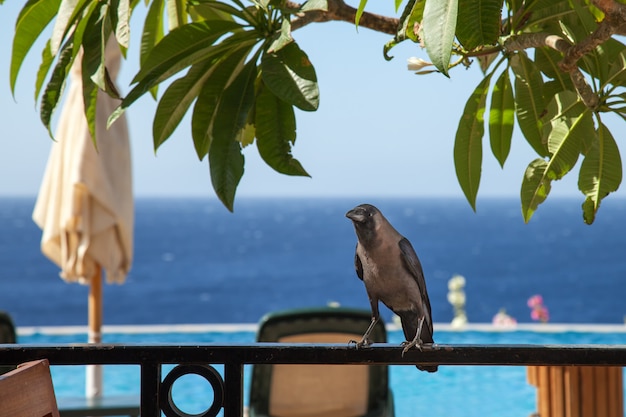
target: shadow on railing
<point>228,391</point>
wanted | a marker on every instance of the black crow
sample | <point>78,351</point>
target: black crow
<point>389,267</point>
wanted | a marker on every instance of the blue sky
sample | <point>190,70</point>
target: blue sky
<point>380,130</point>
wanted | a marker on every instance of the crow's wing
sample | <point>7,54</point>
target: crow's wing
<point>415,267</point>
<point>358,266</point>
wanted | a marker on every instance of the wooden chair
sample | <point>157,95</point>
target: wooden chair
<point>27,391</point>
<point>578,391</point>
<point>320,390</point>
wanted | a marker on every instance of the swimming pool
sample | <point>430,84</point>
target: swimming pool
<point>463,391</point>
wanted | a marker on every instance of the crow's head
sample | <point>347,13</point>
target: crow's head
<point>365,218</point>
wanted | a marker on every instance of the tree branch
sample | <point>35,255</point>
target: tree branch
<point>538,40</point>
<point>338,10</point>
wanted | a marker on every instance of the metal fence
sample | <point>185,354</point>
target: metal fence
<point>228,390</point>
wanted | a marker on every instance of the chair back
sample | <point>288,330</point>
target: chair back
<point>28,392</point>
<point>7,335</point>
<point>319,390</point>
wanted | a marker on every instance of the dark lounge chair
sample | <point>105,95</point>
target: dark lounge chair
<point>320,390</point>
<point>7,335</point>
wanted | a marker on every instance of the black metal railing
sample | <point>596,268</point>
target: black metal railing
<point>228,391</point>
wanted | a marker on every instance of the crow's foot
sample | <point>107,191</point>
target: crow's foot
<point>361,343</point>
<point>417,342</point>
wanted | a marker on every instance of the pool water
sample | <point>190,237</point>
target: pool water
<point>463,391</point>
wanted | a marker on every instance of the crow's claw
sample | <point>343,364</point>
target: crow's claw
<point>417,342</point>
<point>361,343</point>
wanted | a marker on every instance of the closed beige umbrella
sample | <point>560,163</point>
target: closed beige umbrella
<point>85,204</point>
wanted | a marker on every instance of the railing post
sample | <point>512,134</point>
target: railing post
<point>233,389</point>
<point>150,385</point>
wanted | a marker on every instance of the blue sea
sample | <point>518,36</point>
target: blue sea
<point>195,262</point>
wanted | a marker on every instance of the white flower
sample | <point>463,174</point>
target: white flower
<point>456,283</point>
<point>459,321</point>
<point>416,64</point>
<point>456,298</point>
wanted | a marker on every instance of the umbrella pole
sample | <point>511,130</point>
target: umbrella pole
<point>94,379</point>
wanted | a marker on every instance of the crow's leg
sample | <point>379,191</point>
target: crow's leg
<point>417,341</point>
<point>365,341</point>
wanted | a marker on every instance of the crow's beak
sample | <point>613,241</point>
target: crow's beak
<point>356,215</point>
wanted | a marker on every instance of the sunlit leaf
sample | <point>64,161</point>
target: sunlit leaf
<point>440,17</point>
<point>600,173</point>
<point>62,23</point>
<point>176,13</point>
<point>283,39</point>
<point>314,5</point>
<point>529,100</point>
<point>468,148</point>
<point>289,74</point>
<point>501,117</point>
<point>359,12</point>
<point>32,20</point>
<point>570,125</point>
<point>122,28</point>
<point>276,132</point>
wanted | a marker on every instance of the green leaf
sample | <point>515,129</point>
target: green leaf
<point>176,101</point>
<point>547,60</point>
<point>600,173</point>
<point>359,12</point>
<point>209,98</point>
<point>176,13</point>
<point>94,45</point>
<point>411,17</point>
<point>478,23</point>
<point>62,24</point>
<point>570,125</point>
<point>529,100</point>
<point>54,89</point>
<point>236,102</point>
<point>226,164</point>
<point>93,65</point>
<point>536,186</point>
<point>570,121</point>
<point>439,25</point>
<point>46,62</point>
<point>181,48</point>
<point>501,117</point>
<point>122,27</point>
<point>283,39</point>
<point>289,74</point>
<point>468,150</point>
<point>215,10</point>
<point>152,33</point>
<point>276,132</point>
<point>310,5</point>
<point>410,21</point>
<point>225,158</point>
<point>32,20</point>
